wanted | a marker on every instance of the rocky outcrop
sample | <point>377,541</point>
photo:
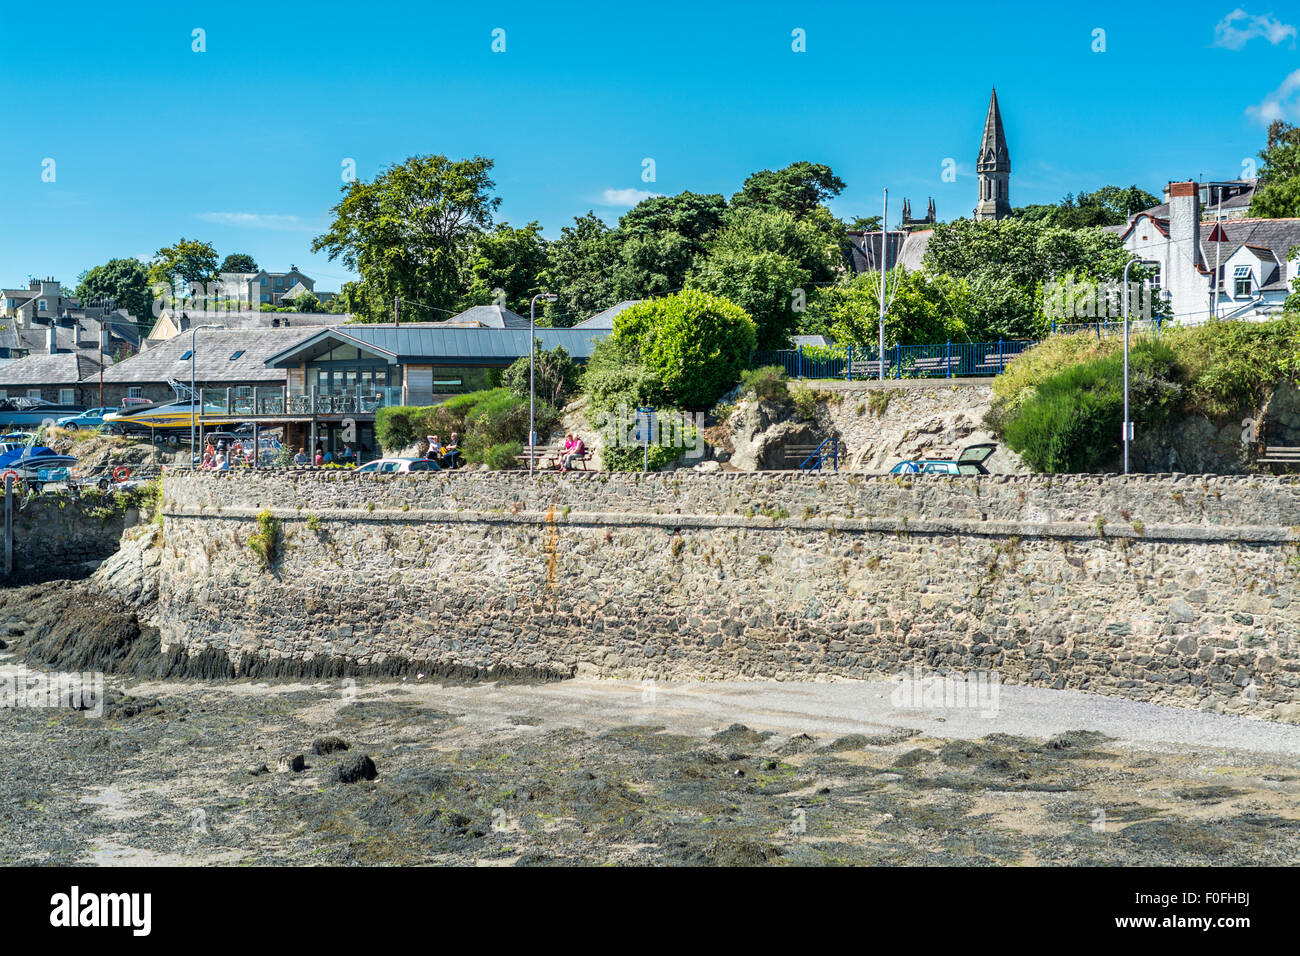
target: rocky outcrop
<point>762,434</point>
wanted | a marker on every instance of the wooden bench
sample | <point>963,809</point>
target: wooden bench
<point>548,456</point>
<point>938,363</point>
<point>796,455</point>
<point>865,369</point>
<point>1280,455</point>
<point>995,363</point>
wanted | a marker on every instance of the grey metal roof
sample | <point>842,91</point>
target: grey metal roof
<point>605,320</point>
<point>488,316</point>
<point>42,368</point>
<point>431,343</point>
<point>213,358</point>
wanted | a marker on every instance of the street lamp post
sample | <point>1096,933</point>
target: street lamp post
<point>1128,425</point>
<point>532,323</point>
<point>194,397</point>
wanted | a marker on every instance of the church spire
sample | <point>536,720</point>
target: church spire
<point>993,167</point>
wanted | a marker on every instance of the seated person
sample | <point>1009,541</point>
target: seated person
<point>451,453</point>
<point>348,456</point>
<point>574,450</point>
<point>435,448</point>
<point>301,457</point>
<point>329,457</point>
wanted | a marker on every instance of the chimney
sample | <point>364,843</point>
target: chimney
<point>184,321</point>
<point>1185,222</point>
<point>51,339</point>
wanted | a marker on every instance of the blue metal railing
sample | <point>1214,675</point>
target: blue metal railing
<point>814,461</point>
<point>942,360</point>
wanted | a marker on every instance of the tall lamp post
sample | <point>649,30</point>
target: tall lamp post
<point>532,324</point>
<point>1128,425</point>
<point>194,397</point>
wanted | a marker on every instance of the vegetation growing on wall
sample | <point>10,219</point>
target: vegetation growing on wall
<point>265,542</point>
<point>1060,404</point>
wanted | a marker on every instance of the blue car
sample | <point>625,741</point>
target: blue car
<point>90,418</point>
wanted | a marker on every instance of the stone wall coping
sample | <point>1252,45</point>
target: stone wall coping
<point>1260,534</point>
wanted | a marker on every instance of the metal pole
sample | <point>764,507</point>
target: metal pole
<point>193,395</point>
<point>884,267</point>
<point>9,525</point>
<point>1218,226</point>
<point>532,325</point>
<point>532,434</point>
<point>1128,426</point>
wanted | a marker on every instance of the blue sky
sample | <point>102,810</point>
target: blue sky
<point>243,145</point>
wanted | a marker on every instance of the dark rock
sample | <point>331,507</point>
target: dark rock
<point>328,745</point>
<point>357,767</point>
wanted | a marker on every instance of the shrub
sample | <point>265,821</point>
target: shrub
<point>484,420</point>
<point>1071,421</point>
<point>697,345</point>
<point>501,455</point>
<point>554,375</point>
<point>265,541</point>
<point>769,383</point>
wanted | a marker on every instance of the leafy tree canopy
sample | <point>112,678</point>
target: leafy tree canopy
<point>188,261</point>
<point>410,232</point>
<point>1277,195</point>
<point>798,189</point>
<point>507,261</point>
<point>239,262</point>
<point>120,282</point>
<point>1022,251</point>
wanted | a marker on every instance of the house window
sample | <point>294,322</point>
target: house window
<point>33,393</point>
<point>1241,276</point>
<point>3,394</point>
<point>265,297</point>
<point>263,280</point>
<point>279,283</point>
<point>134,392</point>
<point>67,396</point>
<point>41,306</point>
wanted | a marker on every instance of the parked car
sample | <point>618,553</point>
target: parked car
<point>969,462</point>
<point>392,466</point>
<point>90,418</point>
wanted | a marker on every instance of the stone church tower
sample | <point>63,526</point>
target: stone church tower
<point>994,168</point>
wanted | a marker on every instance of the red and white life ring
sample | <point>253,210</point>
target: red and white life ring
<point>121,473</point>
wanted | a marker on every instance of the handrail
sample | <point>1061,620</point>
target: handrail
<point>820,455</point>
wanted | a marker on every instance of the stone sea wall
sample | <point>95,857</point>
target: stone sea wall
<point>1179,589</point>
<point>58,535</point>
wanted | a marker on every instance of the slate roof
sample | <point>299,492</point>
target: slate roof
<point>484,316</point>
<point>214,359</point>
<point>903,248</point>
<point>1277,236</point>
<point>605,320</point>
<point>258,320</point>
<point>42,368</point>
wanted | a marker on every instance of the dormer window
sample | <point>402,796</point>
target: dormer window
<point>1242,282</point>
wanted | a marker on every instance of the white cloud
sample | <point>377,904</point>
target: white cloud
<point>1239,27</point>
<point>253,220</point>
<point>1282,103</point>
<point>625,197</point>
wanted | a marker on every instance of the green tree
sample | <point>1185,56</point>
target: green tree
<point>769,286</point>
<point>122,282</point>
<point>798,189</point>
<point>922,309</point>
<point>510,261</point>
<point>1277,195</point>
<point>239,262</point>
<point>692,216</point>
<point>307,302</point>
<point>188,262</point>
<point>866,224</point>
<point>555,375</point>
<point>1025,252</point>
<point>409,234</point>
<point>697,344</point>
<point>580,268</point>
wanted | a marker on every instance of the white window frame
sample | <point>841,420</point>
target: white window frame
<point>134,392</point>
<point>67,396</point>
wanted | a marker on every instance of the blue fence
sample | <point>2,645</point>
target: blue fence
<point>945,360</point>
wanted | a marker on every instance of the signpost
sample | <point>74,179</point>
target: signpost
<point>645,431</point>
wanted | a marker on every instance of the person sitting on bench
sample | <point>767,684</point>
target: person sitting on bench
<point>451,453</point>
<point>573,448</point>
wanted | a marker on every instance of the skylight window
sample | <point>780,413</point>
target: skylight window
<point>186,356</point>
<point>236,355</point>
